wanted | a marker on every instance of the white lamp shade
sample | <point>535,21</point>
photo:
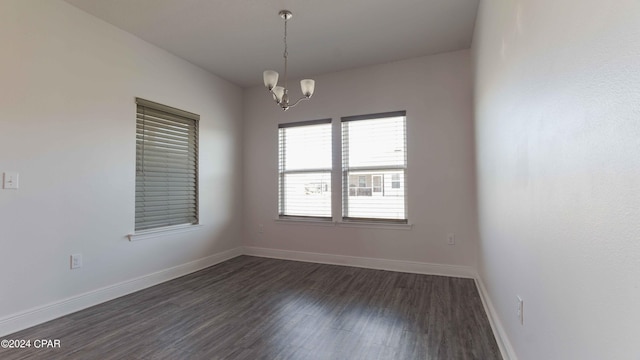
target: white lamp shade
<point>270,78</point>
<point>307,86</point>
<point>278,91</point>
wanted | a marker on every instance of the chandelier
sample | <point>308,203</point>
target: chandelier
<point>270,77</point>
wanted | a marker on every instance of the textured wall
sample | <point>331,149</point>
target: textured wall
<point>557,107</point>
<point>67,124</point>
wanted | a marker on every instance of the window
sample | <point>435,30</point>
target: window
<point>166,166</point>
<point>305,169</point>
<point>395,181</point>
<point>374,165</point>
<point>377,183</point>
<point>373,172</point>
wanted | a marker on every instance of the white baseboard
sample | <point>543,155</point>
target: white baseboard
<point>496,325</point>
<point>41,314</point>
<point>364,262</point>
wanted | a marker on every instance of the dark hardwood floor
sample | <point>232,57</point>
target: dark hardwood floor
<point>256,308</point>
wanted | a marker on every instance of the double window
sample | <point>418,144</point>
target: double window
<point>372,167</point>
<point>166,166</point>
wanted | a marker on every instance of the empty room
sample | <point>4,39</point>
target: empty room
<point>369,179</point>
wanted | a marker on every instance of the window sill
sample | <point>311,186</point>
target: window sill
<point>354,224</point>
<point>375,225</point>
<point>305,222</point>
<point>168,230</point>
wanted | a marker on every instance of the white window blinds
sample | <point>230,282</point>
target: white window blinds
<point>166,166</point>
<point>305,169</point>
<point>374,165</point>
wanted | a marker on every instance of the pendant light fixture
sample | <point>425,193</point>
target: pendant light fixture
<point>270,77</point>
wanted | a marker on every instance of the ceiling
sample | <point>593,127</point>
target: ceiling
<point>238,39</point>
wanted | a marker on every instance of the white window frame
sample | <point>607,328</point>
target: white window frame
<point>372,169</point>
<point>340,188</point>
<point>282,172</point>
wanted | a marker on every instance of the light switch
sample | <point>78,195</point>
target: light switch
<point>10,180</point>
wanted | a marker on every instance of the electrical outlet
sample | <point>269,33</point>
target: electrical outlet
<point>76,261</point>
<point>451,239</point>
<point>520,311</point>
<point>260,228</point>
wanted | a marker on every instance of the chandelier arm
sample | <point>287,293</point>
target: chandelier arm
<point>296,103</point>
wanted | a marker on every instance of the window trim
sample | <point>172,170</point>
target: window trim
<point>304,123</point>
<point>162,231</point>
<point>168,109</point>
<point>374,116</point>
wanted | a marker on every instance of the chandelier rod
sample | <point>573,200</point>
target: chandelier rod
<point>286,52</point>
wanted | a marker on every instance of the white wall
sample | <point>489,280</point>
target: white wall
<point>436,93</point>
<point>67,125</point>
<point>557,105</point>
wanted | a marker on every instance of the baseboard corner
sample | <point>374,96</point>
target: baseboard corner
<point>499,332</point>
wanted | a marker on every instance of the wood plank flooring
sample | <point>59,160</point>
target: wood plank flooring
<point>256,308</point>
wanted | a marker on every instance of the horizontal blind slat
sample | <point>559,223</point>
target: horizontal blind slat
<point>159,130</point>
<point>163,122</point>
<point>160,114</point>
<point>144,125</point>
<point>155,223</point>
<point>170,158</point>
<point>167,171</point>
<point>155,173</point>
<point>169,162</point>
<point>148,142</point>
<point>179,217</point>
<point>168,210</point>
<point>148,136</point>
